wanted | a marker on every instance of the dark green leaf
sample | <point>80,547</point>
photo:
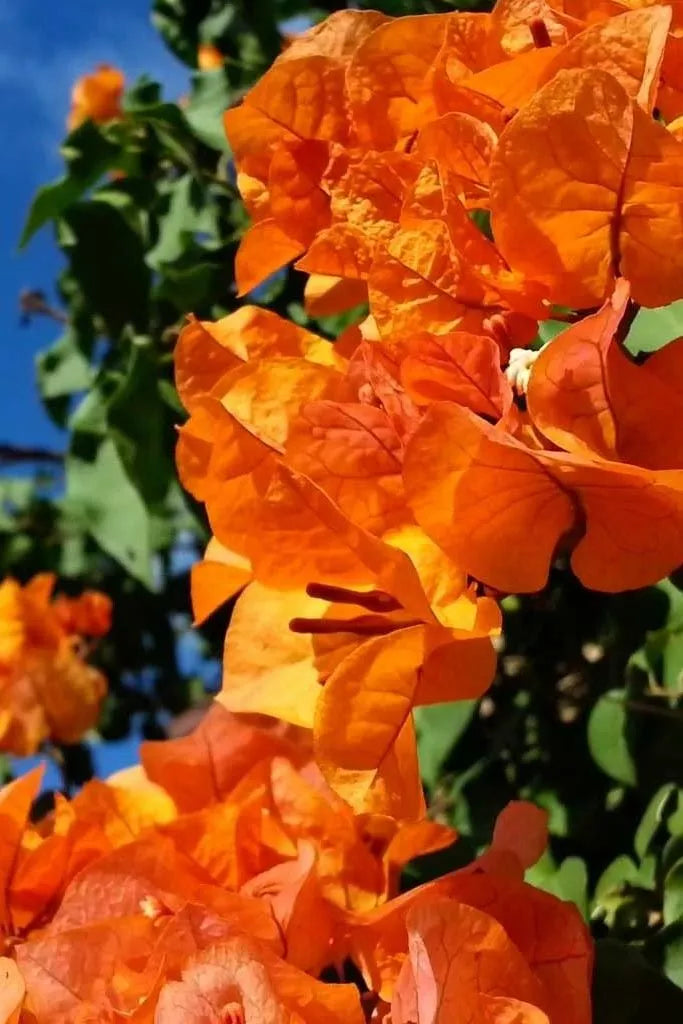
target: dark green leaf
<point>607,738</point>
<point>657,811</point>
<point>107,257</point>
<point>190,284</point>
<point>439,727</point>
<point>89,154</point>
<point>672,907</point>
<point>178,22</point>
<point>138,426</point>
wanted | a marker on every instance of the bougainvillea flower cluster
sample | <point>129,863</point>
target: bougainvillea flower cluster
<point>468,176</point>
<point>48,691</point>
<point>219,880</point>
<point>475,175</point>
<point>458,179</point>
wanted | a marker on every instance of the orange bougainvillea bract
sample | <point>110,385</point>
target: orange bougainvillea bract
<point>209,57</point>
<point>97,96</point>
<point>49,691</point>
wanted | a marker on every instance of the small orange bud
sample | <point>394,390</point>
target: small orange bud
<point>96,97</point>
<point>209,57</point>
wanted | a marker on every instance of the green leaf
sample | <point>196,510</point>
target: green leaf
<point>549,329</point>
<point>209,99</point>
<point>568,881</point>
<point>664,646</point>
<point>558,824</point>
<point>335,324</point>
<point>672,852</point>
<point>655,815</point>
<point>15,496</point>
<point>439,727</point>
<point>138,426</point>
<point>672,905</point>
<point>143,94</point>
<point>629,990</point>
<point>89,154</point>
<point>190,212</point>
<point>482,220</point>
<point>62,371</point>
<point>169,396</point>
<point>113,511</point>
<point>15,493</point>
<point>178,23</point>
<point>107,258</point>
<point>90,415</point>
<point>607,738</point>
<point>616,878</point>
<point>73,555</point>
<point>191,283</point>
<point>675,821</point>
<point>670,941</point>
<point>144,106</point>
<point>217,24</point>
<point>652,329</point>
<point>647,872</point>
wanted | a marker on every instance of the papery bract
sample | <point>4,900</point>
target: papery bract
<point>462,966</point>
<point>202,768</point>
<point>258,987</point>
<point>614,179</point>
<point>282,135</point>
<point>96,96</point>
<point>543,935</point>
<point>588,395</point>
<point>12,991</point>
<point>501,509</point>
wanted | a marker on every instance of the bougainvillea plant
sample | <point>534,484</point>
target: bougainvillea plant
<point>444,489</point>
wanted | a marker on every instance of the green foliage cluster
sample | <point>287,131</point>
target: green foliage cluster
<point>586,714</point>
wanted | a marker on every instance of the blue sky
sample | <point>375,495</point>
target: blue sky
<point>44,46</point>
